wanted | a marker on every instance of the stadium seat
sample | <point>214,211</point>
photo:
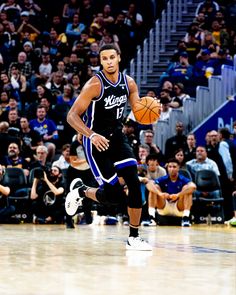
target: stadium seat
<point>19,192</point>
<point>207,199</point>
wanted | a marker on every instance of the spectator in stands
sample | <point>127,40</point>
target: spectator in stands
<point>201,162</point>
<point>74,66</point>
<point>177,141</point>
<point>208,7</point>
<point>41,159</point>
<point>208,138</point>
<point>228,152</point>
<point>4,100</point>
<point>75,81</point>
<point>14,121</point>
<point>108,18</point>
<point>61,67</point>
<point>122,31</point>
<point>7,86</point>
<point>165,112</point>
<point>152,93</point>
<point>109,38</point>
<point>220,34</point>
<point>154,171</point>
<point>47,196</point>
<point>221,60</point>
<point>134,20</point>
<point>192,47</point>
<point>172,193</point>
<point>202,22</point>
<point>32,57</point>
<point>180,70</point>
<point>87,12</point>
<point>180,47</point>
<point>56,85</point>
<point>13,159</point>
<point>94,62</point>
<point>46,102</point>
<point>74,28</point>
<point>179,96</point>
<point>6,210</point>
<point>31,139</point>
<point>209,43</point>
<point>6,139</point>
<point>46,128</point>
<point>190,150</point>
<point>212,149</point>
<point>44,71</point>
<point>149,140</point>
<point>19,84</point>
<point>203,68</point>
<point>165,96</point>
<point>33,8</point>
<point>143,152</point>
<point>180,156</point>
<point>194,35</point>
<point>12,10</point>
<point>169,86</point>
<point>68,95</point>
<point>27,31</point>
<point>59,26</point>
<point>24,66</point>
<point>43,91</point>
<point>64,160</point>
<point>70,8</point>
<point>56,47</point>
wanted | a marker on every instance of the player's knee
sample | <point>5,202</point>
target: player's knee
<point>131,179</point>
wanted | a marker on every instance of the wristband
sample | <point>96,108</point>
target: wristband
<point>92,135</point>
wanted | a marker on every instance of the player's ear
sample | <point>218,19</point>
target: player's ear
<point>119,58</point>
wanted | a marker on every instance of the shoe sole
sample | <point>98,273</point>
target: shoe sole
<point>136,249</point>
<point>70,199</point>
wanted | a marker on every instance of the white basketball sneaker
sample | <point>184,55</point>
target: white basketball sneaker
<point>74,198</point>
<point>137,244</point>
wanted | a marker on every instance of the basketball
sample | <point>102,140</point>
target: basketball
<point>147,110</point>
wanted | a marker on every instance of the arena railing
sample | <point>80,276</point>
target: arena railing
<point>195,110</point>
<point>159,36</point>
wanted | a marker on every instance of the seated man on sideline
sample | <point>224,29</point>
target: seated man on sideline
<point>154,171</point>
<point>47,195</point>
<point>172,193</point>
<point>6,211</point>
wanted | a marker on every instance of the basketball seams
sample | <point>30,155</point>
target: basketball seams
<point>146,110</point>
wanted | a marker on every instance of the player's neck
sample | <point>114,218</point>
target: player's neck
<point>112,77</point>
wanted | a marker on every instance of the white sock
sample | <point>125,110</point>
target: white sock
<point>152,211</point>
<point>186,213</point>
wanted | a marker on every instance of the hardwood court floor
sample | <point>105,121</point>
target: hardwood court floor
<point>92,260</point>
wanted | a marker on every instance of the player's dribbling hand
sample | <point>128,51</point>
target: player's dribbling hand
<point>100,142</point>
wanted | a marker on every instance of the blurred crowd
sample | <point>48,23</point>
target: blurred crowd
<point>47,53</point>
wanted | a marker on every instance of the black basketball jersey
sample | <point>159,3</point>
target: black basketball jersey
<point>106,111</point>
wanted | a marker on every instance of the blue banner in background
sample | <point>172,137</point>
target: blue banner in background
<point>222,117</point>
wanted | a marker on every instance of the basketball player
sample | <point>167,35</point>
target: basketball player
<point>97,114</point>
